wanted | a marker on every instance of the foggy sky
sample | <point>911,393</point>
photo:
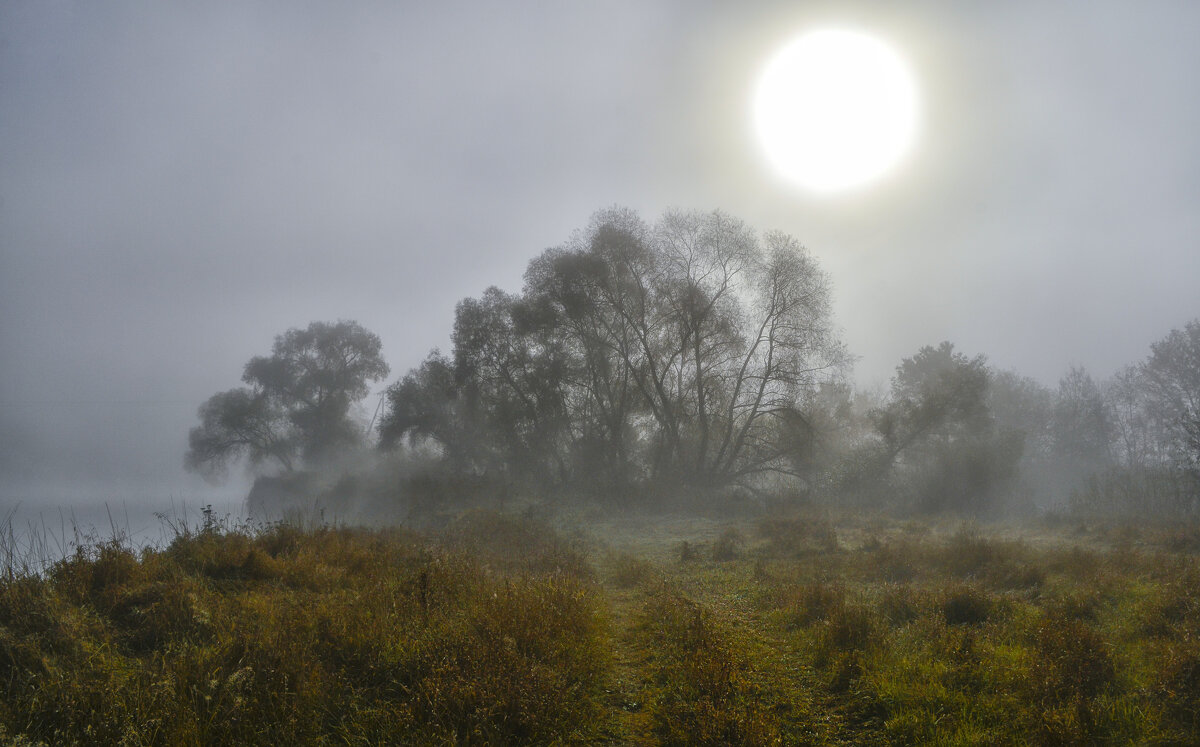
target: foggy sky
<point>179,185</point>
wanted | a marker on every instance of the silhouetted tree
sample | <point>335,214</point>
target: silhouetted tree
<point>297,405</point>
<point>937,395</point>
<point>236,423</point>
<point>1024,408</point>
<point>940,447</point>
<point>1153,418</point>
<point>685,352</point>
<point>594,296</point>
<point>425,404</point>
<point>1138,436</point>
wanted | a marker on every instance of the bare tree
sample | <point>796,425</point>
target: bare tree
<point>1171,376</point>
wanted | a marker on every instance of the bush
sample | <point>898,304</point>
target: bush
<point>899,604</point>
<point>850,627</point>
<point>516,544</point>
<point>687,552</point>
<point>1071,667</point>
<point>728,546</point>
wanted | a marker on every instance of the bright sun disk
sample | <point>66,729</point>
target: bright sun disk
<point>835,109</point>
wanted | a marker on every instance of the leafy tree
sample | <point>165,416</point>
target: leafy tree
<point>297,403</point>
<point>424,405</point>
<point>510,376</point>
<point>1023,405</point>
<point>236,423</point>
<point>1154,425</point>
<point>685,352</point>
<point>594,294</point>
<point>940,447</point>
<point>937,395</point>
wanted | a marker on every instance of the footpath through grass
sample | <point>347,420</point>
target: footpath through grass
<point>500,629</point>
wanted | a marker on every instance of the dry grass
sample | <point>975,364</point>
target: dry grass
<point>501,629</point>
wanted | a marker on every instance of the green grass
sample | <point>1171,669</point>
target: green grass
<point>796,628</point>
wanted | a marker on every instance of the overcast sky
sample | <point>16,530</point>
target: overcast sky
<point>179,183</point>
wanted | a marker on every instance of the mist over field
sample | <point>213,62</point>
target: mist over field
<point>683,373</point>
<point>181,186</point>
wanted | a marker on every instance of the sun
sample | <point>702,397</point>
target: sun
<point>835,109</point>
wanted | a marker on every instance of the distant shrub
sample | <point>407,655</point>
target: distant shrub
<point>899,604</point>
<point>687,552</point>
<point>516,543</point>
<point>797,536</point>
<point>892,562</point>
<point>1170,609</point>
<point>1083,605</point>
<point>1181,539</point>
<point>728,546</point>
<point>969,552</point>
<point>1001,564</point>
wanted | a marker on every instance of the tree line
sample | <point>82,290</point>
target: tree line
<point>694,354</point>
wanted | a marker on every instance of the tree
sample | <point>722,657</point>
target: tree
<point>1082,425</point>
<point>940,446</point>
<point>297,404</point>
<point>1153,412</point>
<point>1171,376</point>
<point>236,423</point>
<point>1082,433</point>
<point>593,296</point>
<point>937,394</point>
<point>510,374</point>
<point>684,352</point>
<point>1137,436</point>
<point>424,405</point>
<point>1023,405</point>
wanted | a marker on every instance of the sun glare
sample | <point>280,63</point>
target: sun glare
<point>835,109</point>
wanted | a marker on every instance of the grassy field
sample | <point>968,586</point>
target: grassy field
<point>798,627</point>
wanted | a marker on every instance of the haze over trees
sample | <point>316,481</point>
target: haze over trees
<point>688,352</point>
<point>295,408</point>
<point>694,356</point>
<point>936,444</point>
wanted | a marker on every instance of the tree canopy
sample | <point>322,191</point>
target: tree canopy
<point>695,353</point>
<point>296,405</point>
<point>688,350</point>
